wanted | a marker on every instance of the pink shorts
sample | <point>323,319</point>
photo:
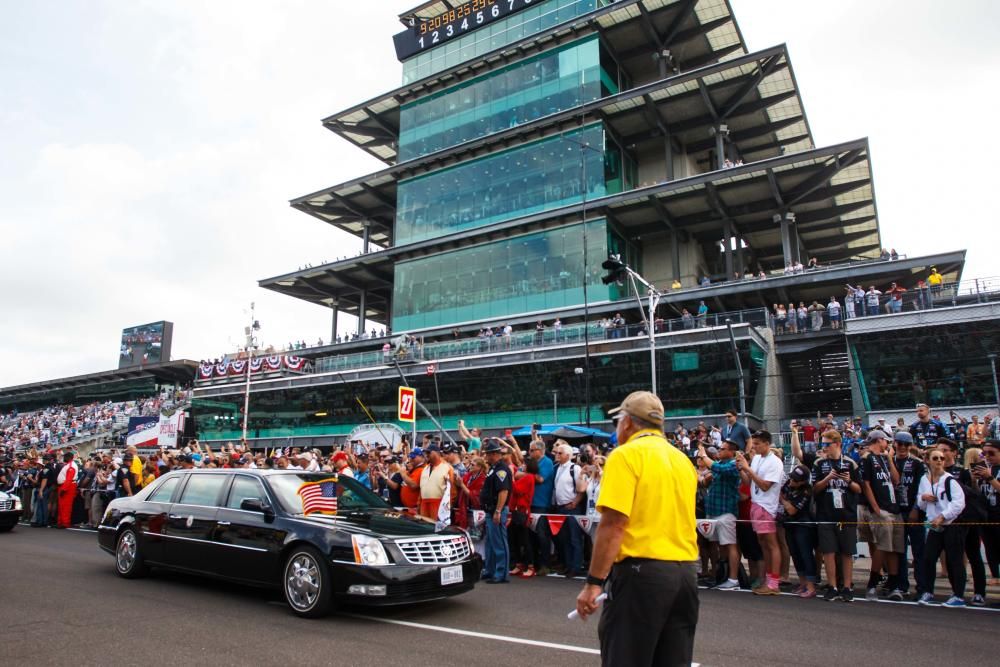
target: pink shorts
<point>762,520</point>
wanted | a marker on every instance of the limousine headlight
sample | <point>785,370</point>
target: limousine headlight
<point>369,551</point>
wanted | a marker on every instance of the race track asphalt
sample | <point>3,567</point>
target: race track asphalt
<point>61,597</point>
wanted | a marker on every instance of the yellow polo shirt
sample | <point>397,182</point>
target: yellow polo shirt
<point>652,483</point>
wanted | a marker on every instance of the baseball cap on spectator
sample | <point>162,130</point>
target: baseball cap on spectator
<point>903,437</point>
<point>799,473</point>
<point>875,435</point>
<point>642,404</point>
<point>448,448</point>
<point>415,452</point>
<point>433,447</point>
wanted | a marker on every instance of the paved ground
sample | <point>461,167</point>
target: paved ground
<point>61,597</point>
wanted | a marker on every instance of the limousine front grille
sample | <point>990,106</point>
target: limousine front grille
<point>435,550</point>
<point>6,505</point>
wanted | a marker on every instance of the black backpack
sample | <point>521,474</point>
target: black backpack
<point>975,510</point>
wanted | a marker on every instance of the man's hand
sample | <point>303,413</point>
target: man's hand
<point>929,498</point>
<point>496,517</point>
<point>585,601</point>
<point>938,521</point>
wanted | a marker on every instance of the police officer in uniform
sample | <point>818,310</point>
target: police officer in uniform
<point>646,546</point>
<point>493,499</point>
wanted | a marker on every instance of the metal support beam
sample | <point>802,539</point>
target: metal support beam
<point>675,255</point>
<point>335,306</point>
<point>727,240</point>
<point>366,235</point>
<point>362,307</point>
<point>786,220</point>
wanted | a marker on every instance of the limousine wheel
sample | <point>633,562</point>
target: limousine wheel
<point>128,561</point>
<point>307,583</point>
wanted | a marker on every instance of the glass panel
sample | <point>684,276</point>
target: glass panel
<point>497,35</point>
<point>243,488</point>
<point>528,179</point>
<point>519,395</point>
<point>203,490</point>
<point>165,492</point>
<point>942,366</point>
<point>545,84</point>
<point>537,271</point>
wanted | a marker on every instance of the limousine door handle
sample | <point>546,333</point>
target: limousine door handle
<point>222,523</point>
<point>176,516</point>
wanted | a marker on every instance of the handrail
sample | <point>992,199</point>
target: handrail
<point>520,340</point>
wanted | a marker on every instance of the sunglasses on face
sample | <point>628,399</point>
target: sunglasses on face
<point>937,458</point>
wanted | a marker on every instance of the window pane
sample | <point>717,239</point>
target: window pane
<point>165,492</point>
<point>243,488</point>
<point>203,490</point>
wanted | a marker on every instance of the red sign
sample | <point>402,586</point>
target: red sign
<point>430,369</point>
<point>407,404</point>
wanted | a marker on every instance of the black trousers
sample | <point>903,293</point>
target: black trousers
<point>991,540</point>
<point>973,551</point>
<point>952,542</point>
<point>650,615</point>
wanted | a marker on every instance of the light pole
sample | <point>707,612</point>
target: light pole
<point>616,267</point>
<point>586,277</point>
<point>555,406</point>
<point>251,346</point>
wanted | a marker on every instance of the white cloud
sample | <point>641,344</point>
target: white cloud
<point>150,148</point>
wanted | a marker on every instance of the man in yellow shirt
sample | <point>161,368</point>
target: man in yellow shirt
<point>646,546</point>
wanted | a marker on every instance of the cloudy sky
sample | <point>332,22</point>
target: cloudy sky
<point>148,151</point>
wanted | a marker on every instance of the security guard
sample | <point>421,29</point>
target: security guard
<point>493,499</point>
<point>646,546</point>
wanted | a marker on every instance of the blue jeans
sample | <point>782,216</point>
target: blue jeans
<point>42,507</point>
<point>801,541</point>
<point>497,551</point>
<point>570,540</point>
<point>914,536</point>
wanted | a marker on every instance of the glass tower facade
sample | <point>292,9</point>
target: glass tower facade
<point>559,79</point>
<point>512,29</point>
<point>515,276</point>
<point>535,177</point>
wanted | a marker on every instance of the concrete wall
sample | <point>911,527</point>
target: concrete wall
<point>657,261</point>
<point>652,164</point>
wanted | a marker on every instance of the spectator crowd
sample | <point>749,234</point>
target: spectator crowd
<point>919,495</point>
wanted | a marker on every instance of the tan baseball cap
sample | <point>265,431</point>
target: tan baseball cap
<point>642,404</point>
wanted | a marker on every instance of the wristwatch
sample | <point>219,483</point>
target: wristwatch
<point>595,581</point>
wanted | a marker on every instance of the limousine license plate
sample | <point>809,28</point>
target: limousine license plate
<point>451,575</point>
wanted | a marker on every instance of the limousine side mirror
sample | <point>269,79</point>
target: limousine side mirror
<point>257,505</point>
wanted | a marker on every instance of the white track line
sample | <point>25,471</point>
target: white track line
<point>480,635</point>
<point>484,635</point>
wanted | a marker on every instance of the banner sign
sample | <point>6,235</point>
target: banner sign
<point>407,404</point>
<point>170,426</point>
<point>142,431</point>
<point>238,367</point>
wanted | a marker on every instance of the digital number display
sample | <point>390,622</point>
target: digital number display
<point>465,18</point>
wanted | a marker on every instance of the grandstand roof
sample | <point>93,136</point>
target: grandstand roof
<point>696,32</point>
<point>755,95</point>
<point>180,371</point>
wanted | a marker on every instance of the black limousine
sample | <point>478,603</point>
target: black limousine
<point>322,538</point>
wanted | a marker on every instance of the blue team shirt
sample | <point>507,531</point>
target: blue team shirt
<point>543,491</point>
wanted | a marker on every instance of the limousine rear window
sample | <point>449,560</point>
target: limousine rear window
<point>350,494</point>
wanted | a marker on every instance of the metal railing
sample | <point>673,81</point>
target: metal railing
<point>522,340</point>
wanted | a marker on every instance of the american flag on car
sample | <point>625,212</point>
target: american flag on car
<point>319,497</point>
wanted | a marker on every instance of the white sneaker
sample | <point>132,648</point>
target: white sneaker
<point>871,595</point>
<point>728,585</point>
<point>926,600</point>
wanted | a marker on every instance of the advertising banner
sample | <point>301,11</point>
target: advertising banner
<point>142,432</point>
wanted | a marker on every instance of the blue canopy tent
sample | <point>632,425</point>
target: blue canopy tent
<point>567,432</point>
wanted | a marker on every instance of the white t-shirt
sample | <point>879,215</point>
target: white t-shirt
<point>564,491</point>
<point>770,469</point>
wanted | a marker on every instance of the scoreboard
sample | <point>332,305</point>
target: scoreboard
<point>427,33</point>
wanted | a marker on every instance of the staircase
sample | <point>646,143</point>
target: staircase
<point>817,371</point>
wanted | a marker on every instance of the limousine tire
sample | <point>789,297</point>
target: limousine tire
<point>129,562</point>
<point>306,583</point>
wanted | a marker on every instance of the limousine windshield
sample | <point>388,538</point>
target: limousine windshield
<point>323,492</point>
